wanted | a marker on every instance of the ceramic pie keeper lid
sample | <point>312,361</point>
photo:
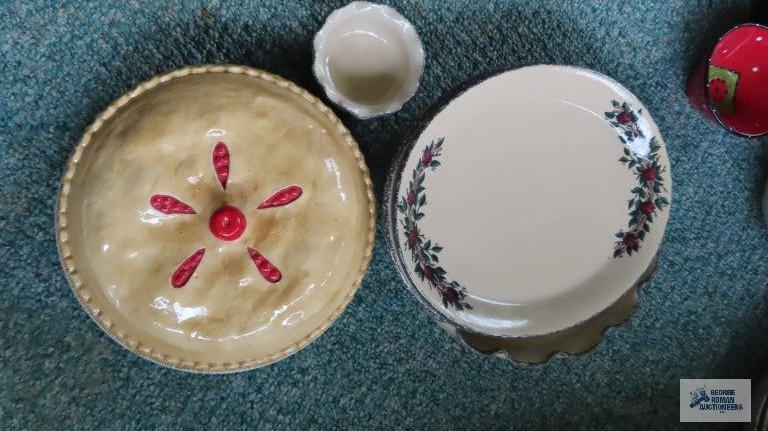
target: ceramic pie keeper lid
<point>529,203</point>
<point>215,219</point>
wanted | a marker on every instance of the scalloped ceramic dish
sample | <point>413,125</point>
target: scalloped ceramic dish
<point>368,58</point>
<point>530,202</point>
<point>215,219</point>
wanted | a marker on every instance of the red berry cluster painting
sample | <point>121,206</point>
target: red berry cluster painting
<point>647,196</point>
<point>424,252</point>
<point>226,222</point>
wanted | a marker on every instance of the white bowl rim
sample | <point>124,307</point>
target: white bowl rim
<point>411,40</point>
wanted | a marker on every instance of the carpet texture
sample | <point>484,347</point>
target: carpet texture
<point>384,364</point>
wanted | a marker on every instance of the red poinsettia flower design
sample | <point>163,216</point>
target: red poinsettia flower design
<point>226,223</point>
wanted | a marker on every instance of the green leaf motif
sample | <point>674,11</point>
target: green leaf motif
<point>423,252</point>
<point>649,189</point>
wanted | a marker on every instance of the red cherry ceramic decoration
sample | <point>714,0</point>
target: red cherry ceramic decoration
<point>270,272</point>
<point>740,61</point>
<point>184,271</point>
<point>227,223</point>
<point>221,163</point>
<point>281,197</point>
<point>170,205</point>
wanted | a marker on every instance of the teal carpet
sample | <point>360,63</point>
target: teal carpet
<point>384,364</point>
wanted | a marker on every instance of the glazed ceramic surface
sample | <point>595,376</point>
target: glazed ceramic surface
<point>572,341</point>
<point>216,219</point>
<point>531,202</point>
<point>731,86</point>
<point>368,58</point>
<point>738,80</point>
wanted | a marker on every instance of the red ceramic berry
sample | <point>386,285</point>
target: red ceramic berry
<point>282,197</point>
<point>227,223</point>
<point>221,163</point>
<point>170,205</point>
<point>270,272</point>
<point>184,271</point>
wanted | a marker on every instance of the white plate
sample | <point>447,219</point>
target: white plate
<point>515,212</point>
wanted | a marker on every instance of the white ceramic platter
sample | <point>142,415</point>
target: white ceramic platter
<point>530,202</point>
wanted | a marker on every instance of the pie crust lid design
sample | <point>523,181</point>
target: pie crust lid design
<point>529,203</point>
<point>215,219</point>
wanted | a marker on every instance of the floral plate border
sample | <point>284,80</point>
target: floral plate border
<point>647,198</point>
<point>424,252</point>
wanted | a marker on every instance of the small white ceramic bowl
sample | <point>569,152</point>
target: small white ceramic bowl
<point>368,58</point>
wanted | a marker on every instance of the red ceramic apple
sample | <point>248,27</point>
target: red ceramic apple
<point>731,86</point>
